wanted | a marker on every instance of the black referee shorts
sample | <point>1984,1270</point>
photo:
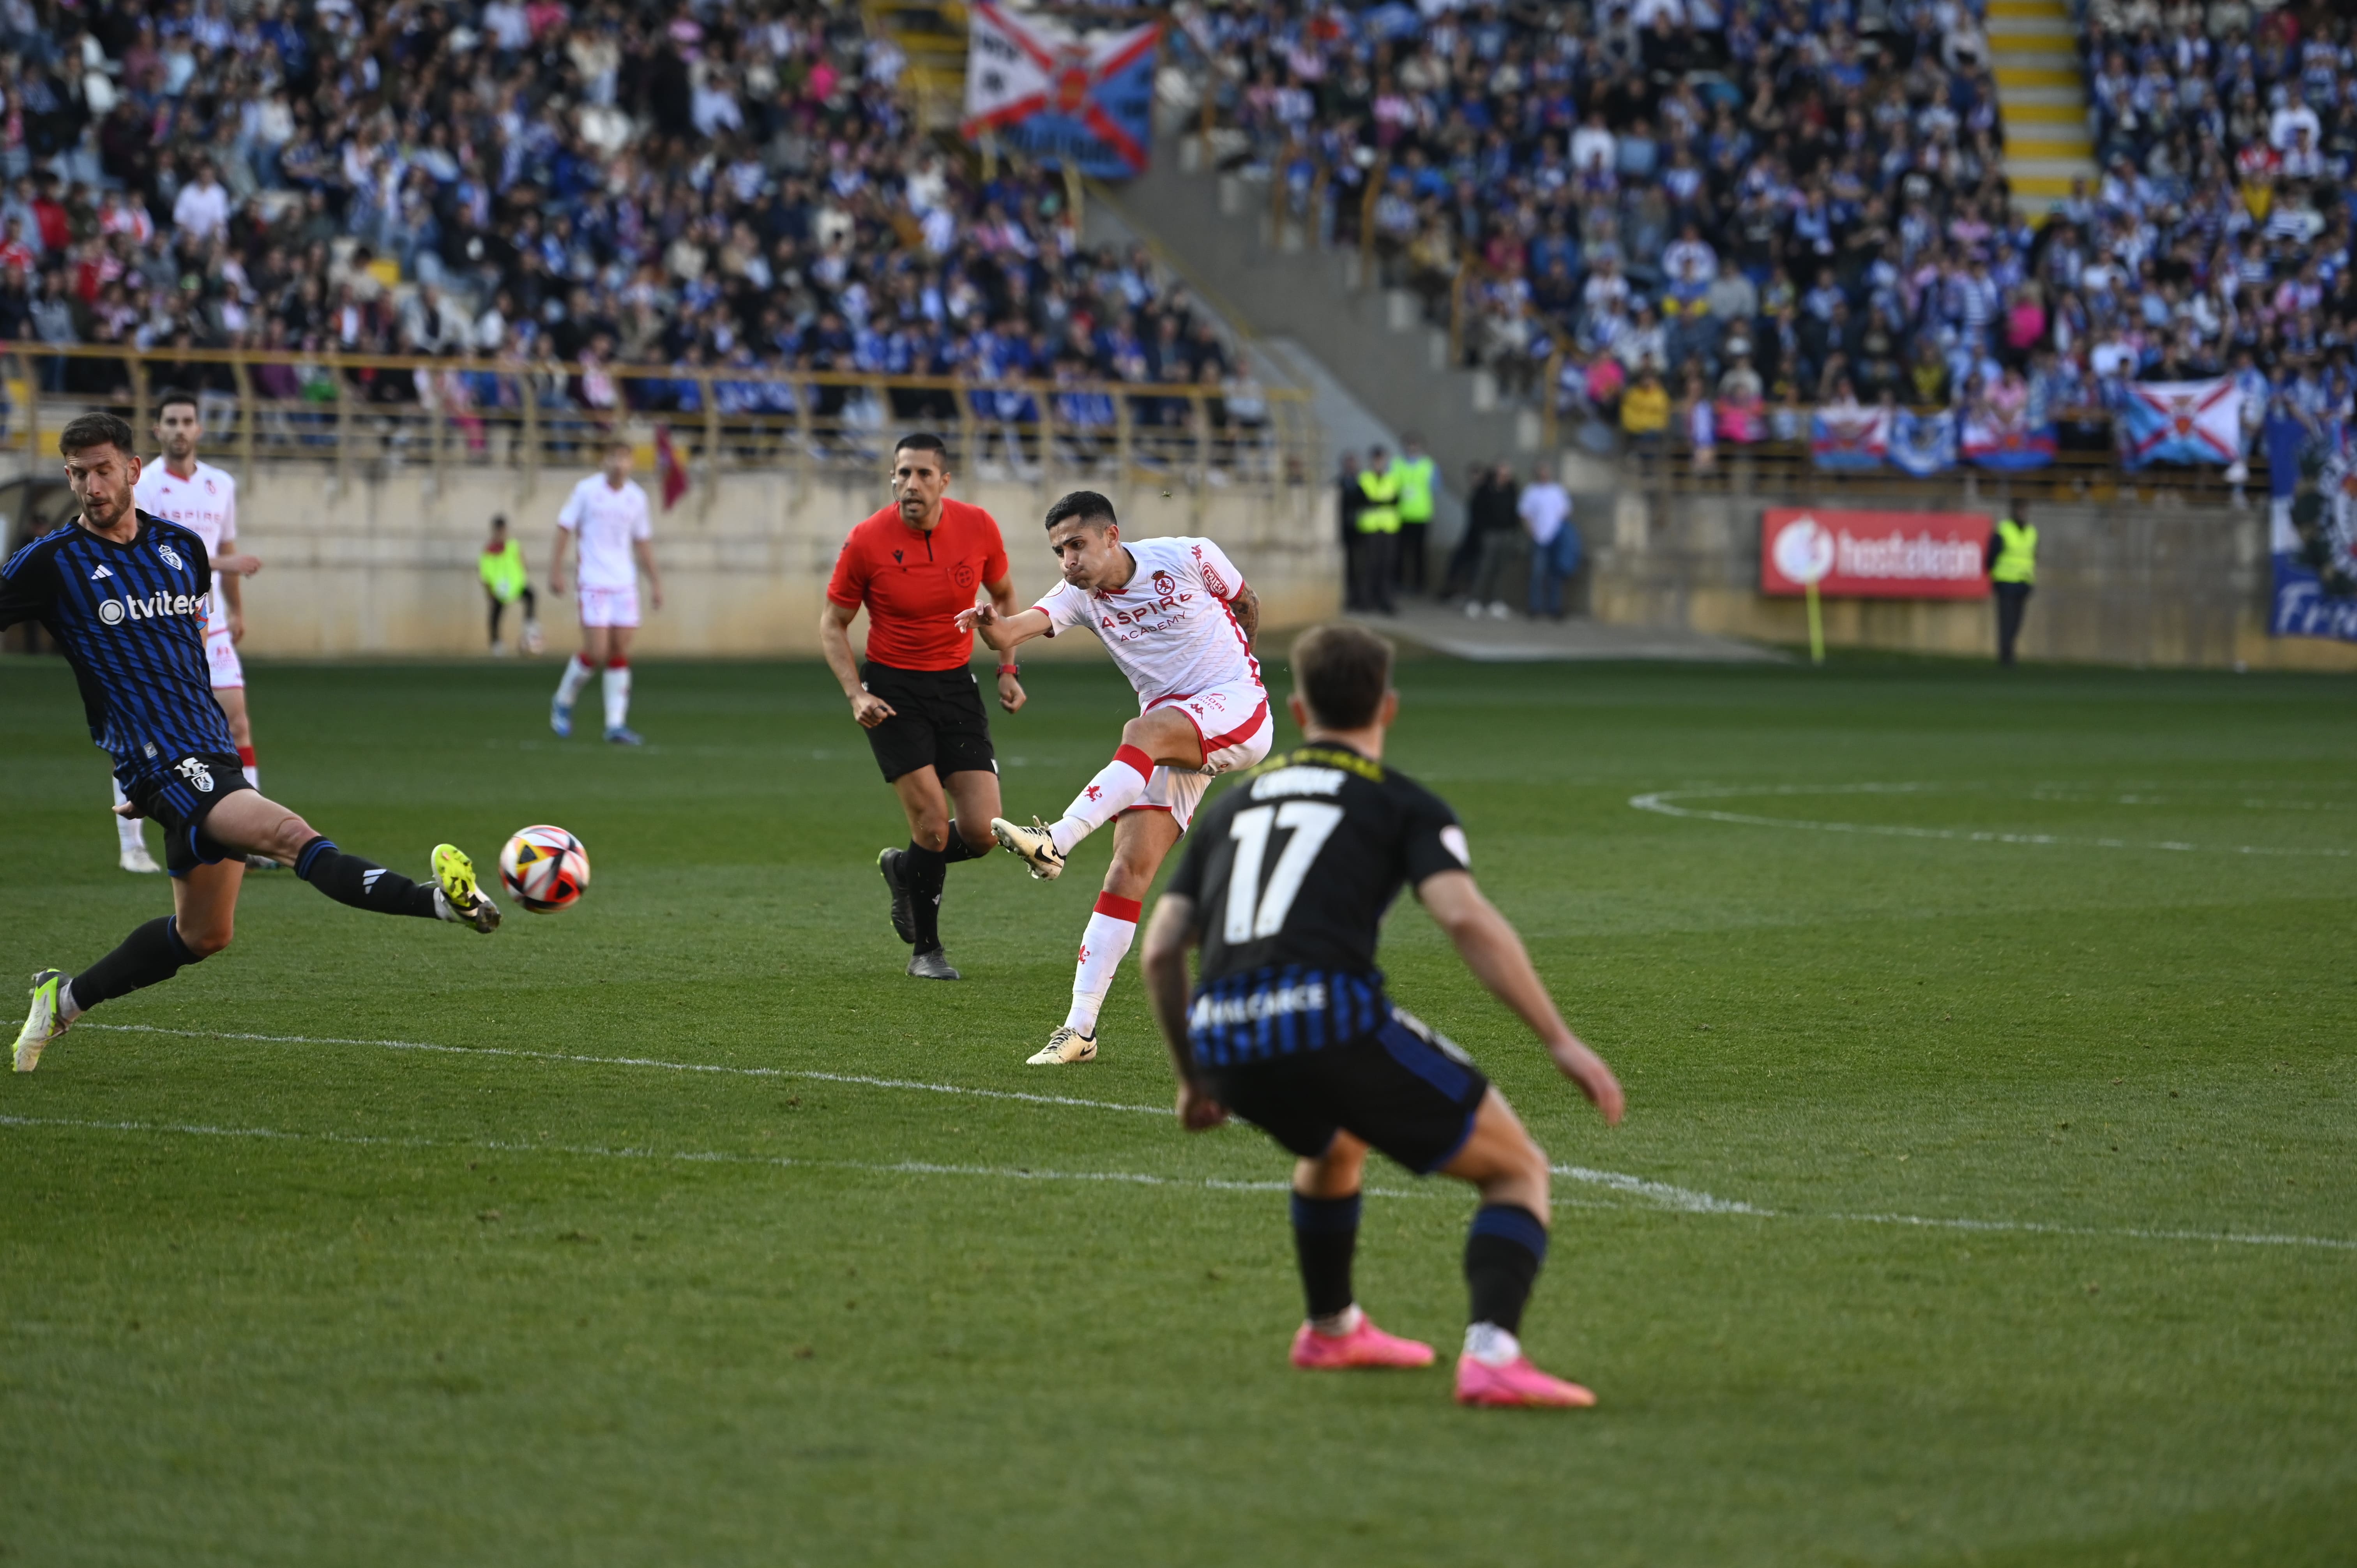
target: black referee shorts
<point>1402,1090</point>
<point>937,721</point>
<point>180,796</point>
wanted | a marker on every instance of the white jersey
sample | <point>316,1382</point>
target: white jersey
<point>1170,629</point>
<point>205,503</point>
<point>607,521</point>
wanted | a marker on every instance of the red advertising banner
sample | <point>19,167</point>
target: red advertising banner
<point>1874,554</point>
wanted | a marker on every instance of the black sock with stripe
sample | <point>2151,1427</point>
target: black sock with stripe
<point>363,883</point>
<point>1502,1263</point>
<point>148,956</point>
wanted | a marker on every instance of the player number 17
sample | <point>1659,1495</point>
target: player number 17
<point>1311,823</point>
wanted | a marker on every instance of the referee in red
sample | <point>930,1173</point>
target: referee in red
<point>913,566</point>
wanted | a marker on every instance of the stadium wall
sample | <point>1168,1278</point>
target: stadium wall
<point>2118,584</point>
<point>386,565</point>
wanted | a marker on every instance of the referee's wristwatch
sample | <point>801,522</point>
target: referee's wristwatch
<point>1010,670</point>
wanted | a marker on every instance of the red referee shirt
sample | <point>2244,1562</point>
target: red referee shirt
<point>913,583</point>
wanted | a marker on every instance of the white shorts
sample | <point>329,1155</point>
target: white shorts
<point>610,606</point>
<point>222,654</point>
<point>1236,728</point>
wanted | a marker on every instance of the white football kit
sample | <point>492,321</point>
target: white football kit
<point>205,503</point>
<point>605,523</point>
<point>1172,632</point>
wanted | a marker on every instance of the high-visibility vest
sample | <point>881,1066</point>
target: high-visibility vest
<point>1415,490</point>
<point>2016,552</point>
<point>503,572</point>
<point>1381,514</point>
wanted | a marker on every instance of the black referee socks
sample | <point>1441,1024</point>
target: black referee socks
<point>1325,1235</point>
<point>1502,1261</point>
<point>922,872</point>
<point>363,883</point>
<point>149,955</point>
<point>958,849</point>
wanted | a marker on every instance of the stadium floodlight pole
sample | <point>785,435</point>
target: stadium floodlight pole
<point>1817,623</point>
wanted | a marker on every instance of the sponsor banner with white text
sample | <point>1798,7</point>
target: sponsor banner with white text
<point>1874,554</point>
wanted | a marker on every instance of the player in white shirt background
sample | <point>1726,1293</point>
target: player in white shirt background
<point>606,515</point>
<point>1180,621</point>
<point>203,498</point>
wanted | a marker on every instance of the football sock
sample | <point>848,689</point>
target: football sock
<point>1112,792</point>
<point>1501,1260</point>
<point>1111,929</point>
<point>131,832</point>
<point>153,953</point>
<point>1325,1235</point>
<point>363,883</point>
<point>957,849</point>
<point>923,871</point>
<point>578,671</point>
<point>247,765</point>
<point>618,695</point>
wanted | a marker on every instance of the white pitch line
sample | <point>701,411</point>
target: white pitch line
<point>639,1061</point>
<point>1662,801</point>
<point>1674,1199</point>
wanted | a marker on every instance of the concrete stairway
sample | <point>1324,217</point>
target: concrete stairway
<point>1216,231</point>
<point>2042,92</point>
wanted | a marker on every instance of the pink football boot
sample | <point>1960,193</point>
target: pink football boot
<point>1364,1346</point>
<point>1516,1383</point>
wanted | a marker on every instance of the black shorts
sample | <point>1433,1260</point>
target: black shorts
<point>1402,1089</point>
<point>937,721</point>
<point>179,796</point>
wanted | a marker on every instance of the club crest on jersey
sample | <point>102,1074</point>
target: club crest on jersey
<point>196,773</point>
<point>1165,585</point>
<point>171,557</point>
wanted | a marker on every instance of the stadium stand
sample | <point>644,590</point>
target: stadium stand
<point>733,193</point>
<point>1786,207</point>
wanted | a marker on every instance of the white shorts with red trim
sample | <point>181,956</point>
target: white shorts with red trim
<point>220,653</point>
<point>610,606</point>
<point>1236,729</point>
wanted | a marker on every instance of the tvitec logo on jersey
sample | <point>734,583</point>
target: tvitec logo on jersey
<point>114,612</point>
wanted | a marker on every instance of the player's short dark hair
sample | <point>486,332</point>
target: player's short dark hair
<point>1084,506</point>
<point>85,431</point>
<point>171,395</point>
<point>1342,673</point>
<point>922,441</point>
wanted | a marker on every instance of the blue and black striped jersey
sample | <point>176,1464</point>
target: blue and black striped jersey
<point>131,618</point>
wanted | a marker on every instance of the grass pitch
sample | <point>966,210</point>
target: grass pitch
<point>1985,1197</point>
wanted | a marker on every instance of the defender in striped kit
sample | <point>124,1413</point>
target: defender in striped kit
<point>127,595</point>
<point>1284,890</point>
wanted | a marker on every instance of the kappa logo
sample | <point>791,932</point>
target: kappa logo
<point>171,557</point>
<point>101,572</point>
<point>196,773</point>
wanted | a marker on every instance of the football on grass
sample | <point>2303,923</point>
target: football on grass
<point>544,869</point>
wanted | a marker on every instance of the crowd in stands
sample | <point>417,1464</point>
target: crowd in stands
<point>675,183</point>
<point>1721,211</point>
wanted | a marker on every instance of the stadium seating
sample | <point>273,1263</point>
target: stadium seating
<point>730,192</point>
<point>1778,206</point>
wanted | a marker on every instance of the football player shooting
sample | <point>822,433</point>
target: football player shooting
<point>1179,620</point>
<point>1284,890</point>
<point>912,565</point>
<point>125,595</point>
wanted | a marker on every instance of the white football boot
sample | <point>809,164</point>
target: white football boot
<point>1032,845</point>
<point>1064,1048</point>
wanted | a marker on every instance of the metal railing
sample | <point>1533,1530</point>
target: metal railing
<point>355,411</point>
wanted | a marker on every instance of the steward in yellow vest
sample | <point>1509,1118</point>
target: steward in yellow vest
<point>1416,476</point>
<point>2012,568</point>
<point>1379,527</point>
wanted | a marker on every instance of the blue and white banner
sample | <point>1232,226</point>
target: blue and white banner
<point>2182,422</point>
<point>2314,542</point>
<point>1922,443</point>
<point>1994,441</point>
<point>1057,96</point>
<point>1849,436</point>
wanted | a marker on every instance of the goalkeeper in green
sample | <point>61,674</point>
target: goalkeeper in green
<point>504,582</point>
